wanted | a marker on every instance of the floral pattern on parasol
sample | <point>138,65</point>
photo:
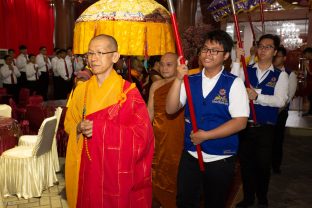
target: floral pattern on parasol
<point>140,27</point>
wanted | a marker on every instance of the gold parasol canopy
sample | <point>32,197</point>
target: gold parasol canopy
<point>141,27</point>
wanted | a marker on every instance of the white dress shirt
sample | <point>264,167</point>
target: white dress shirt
<point>279,98</point>
<point>42,65</point>
<point>238,104</point>
<point>31,72</point>
<point>61,69</point>
<point>6,74</point>
<point>21,62</point>
<point>54,61</point>
<point>292,84</point>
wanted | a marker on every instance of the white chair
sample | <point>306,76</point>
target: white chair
<point>30,140</point>
<point>26,171</point>
<point>5,110</point>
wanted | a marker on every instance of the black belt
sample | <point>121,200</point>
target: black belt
<point>255,125</point>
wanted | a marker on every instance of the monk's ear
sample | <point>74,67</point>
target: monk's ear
<point>116,57</point>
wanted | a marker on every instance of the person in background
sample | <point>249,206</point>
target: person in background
<point>111,142</point>
<point>21,62</point>
<point>11,52</point>
<point>307,53</point>
<point>44,64</point>
<point>154,73</point>
<point>9,75</point>
<point>56,77</point>
<point>168,131</point>
<point>221,107</point>
<point>65,71</point>
<point>279,62</point>
<point>33,74</point>
<point>268,92</point>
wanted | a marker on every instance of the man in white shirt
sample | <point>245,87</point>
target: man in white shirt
<point>65,71</point>
<point>44,66</point>
<point>268,92</point>
<point>32,74</point>
<point>221,107</point>
<point>56,77</point>
<point>9,74</point>
<point>21,62</point>
<point>11,52</point>
<point>279,61</point>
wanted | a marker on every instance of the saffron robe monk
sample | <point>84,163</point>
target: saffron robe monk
<point>168,130</point>
<point>111,142</point>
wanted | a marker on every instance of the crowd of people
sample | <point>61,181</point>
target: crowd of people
<point>133,145</point>
<point>33,71</point>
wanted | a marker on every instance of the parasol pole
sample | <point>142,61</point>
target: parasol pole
<point>252,28</point>
<point>262,16</point>
<point>247,82</point>
<point>186,80</point>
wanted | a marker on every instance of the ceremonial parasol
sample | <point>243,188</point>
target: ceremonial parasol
<point>222,8</point>
<point>141,27</point>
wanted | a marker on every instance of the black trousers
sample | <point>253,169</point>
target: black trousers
<point>44,84</point>
<point>214,182</point>
<point>279,139</point>
<point>255,154</point>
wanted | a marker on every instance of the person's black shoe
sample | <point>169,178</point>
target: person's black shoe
<point>244,204</point>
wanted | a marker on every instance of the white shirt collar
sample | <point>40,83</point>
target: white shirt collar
<point>213,78</point>
<point>271,68</point>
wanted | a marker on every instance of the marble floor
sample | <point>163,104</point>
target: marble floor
<point>291,189</point>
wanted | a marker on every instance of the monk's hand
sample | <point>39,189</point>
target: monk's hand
<point>252,94</point>
<point>198,137</point>
<point>85,127</point>
<point>182,69</point>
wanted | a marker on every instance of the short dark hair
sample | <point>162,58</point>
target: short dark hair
<point>275,38</point>
<point>22,47</point>
<point>282,50</point>
<point>42,47</point>
<point>221,37</point>
<point>69,48</point>
<point>6,57</point>
<point>31,55</point>
<point>11,50</point>
<point>307,50</point>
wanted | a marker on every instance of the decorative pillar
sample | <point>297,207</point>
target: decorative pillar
<point>64,23</point>
<point>186,11</point>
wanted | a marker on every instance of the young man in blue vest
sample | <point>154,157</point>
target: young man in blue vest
<point>221,108</point>
<point>269,88</point>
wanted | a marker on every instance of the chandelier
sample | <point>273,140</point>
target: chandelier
<point>289,34</point>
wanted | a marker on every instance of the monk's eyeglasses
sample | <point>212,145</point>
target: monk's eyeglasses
<point>98,53</point>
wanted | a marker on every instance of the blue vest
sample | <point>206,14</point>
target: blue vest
<point>264,114</point>
<point>211,112</point>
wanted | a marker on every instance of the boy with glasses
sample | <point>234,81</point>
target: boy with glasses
<point>221,108</point>
<point>269,87</point>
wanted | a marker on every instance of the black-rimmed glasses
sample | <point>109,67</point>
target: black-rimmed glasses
<point>211,51</point>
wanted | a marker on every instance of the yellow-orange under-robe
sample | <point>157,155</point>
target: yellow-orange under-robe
<point>99,97</point>
<point>169,132</point>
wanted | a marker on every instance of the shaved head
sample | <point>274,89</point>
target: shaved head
<point>168,65</point>
<point>110,39</point>
<point>170,55</point>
